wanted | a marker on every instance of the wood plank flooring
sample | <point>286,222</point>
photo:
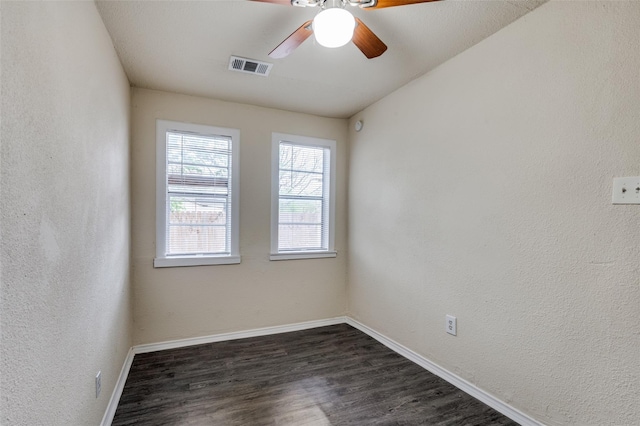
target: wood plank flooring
<point>332,375</point>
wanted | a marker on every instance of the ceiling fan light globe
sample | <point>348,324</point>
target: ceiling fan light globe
<point>333,27</point>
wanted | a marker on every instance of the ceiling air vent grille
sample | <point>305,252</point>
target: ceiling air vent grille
<point>250,66</point>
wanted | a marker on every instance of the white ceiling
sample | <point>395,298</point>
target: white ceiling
<point>184,47</point>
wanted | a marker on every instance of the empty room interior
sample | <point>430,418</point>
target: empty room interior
<point>471,201</point>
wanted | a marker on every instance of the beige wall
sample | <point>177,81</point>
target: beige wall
<point>174,303</point>
<point>483,190</point>
<point>64,214</point>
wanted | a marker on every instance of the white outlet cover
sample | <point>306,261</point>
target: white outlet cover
<point>451,325</point>
<point>98,383</point>
<point>626,190</point>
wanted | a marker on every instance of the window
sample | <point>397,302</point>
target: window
<point>197,195</point>
<point>302,197</point>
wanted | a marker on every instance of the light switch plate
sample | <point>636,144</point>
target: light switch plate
<point>626,190</point>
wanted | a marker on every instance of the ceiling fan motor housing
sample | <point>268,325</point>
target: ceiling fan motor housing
<point>322,3</point>
<point>355,31</point>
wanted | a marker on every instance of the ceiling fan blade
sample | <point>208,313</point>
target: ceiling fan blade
<point>283,2</point>
<point>293,41</point>
<point>367,41</point>
<point>392,3</point>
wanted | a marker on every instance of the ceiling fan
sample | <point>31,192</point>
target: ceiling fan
<point>334,26</point>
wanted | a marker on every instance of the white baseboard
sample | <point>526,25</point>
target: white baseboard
<point>455,380</point>
<point>117,390</point>
<point>172,344</point>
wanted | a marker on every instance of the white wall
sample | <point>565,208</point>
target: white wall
<point>483,190</point>
<point>64,214</point>
<point>174,303</point>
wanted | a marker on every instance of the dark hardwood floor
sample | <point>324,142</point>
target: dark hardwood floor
<point>333,375</point>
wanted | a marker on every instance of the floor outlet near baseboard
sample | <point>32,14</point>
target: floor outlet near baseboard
<point>98,383</point>
<point>452,325</point>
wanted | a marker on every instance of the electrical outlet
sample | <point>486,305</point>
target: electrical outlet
<point>98,383</point>
<point>452,325</point>
<point>626,190</point>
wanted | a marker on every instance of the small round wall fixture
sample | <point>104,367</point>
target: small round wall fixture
<point>358,125</point>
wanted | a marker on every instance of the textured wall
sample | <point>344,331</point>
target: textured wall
<point>483,190</point>
<point>173,303</point>
<point>64,214</point>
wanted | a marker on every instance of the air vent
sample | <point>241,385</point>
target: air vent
<point>250,66</point>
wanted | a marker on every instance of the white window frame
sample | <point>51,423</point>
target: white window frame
<point>162,260</point>
<point>276,138</point>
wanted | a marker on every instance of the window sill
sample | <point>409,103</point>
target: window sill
<point>172,262</point>
<point>302,255</point>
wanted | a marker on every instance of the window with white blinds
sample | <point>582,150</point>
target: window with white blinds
<point>303,194</point>
<point>197,195</point>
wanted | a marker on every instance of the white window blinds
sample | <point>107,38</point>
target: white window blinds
<point>198,194</point>
<point>303,198</point>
